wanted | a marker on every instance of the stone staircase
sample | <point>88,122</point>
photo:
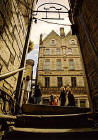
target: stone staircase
<point>55,126</point>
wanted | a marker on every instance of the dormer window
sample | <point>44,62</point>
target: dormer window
<point>53,42</point>
<point>73,42</point>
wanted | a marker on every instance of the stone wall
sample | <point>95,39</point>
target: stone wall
<point>12,39</point>
<point>85,17</point>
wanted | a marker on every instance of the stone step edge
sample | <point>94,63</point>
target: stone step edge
<point>62,115</point>
<point>38,130</point>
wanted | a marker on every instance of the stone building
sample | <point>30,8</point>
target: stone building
<point>29,68</point>
<point>83,16</point>
<point>14,17</point>
<point>60,64</point>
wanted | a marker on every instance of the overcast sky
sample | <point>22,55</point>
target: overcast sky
<point>45,28</point>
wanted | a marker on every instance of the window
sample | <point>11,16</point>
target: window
<point>73,81</point>
<point>82,103</point>
<point>47,64</point>
<point>73,42</point>
<point>47,51</point>
<point>59,79</point>
<point>71,64</point>
<point>47,81</point>
<point>69,51</point>
<point>58,51</point>
<point>58,64</point>
<point>53,42</point>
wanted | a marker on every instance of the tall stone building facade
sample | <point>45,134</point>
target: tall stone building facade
<point>59,65</point>
<point>14,18</point>
<point>83,14</point>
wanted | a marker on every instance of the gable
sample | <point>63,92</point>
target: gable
<point>52,35</point>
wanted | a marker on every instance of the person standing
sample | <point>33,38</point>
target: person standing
<point>71,99</point>
<point>51,99</point>
<point>63,97</point>
<point>55,102</point>
<point>27,89</point>
<point>37,95</point>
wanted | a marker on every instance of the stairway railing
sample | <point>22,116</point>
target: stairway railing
<point>7,101</point>
<point>9,74</point>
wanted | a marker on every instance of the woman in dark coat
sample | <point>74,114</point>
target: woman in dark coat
<point>71,99</point>
<point>37,95</point>
<point>63,97</point>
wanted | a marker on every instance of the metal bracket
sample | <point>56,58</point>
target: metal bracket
<point>49,8</point>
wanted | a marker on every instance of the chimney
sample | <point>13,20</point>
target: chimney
<point>62,34</point>
<point>41,42</point>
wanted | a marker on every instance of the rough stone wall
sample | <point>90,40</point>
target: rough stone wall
<point>12,39</point>
<point>86,19</point>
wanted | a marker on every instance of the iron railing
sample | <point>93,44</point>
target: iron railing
<point>56,90</point>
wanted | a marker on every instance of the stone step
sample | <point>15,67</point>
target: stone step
<point>55,121</point>
<point>51,110</point>
<point>51,134</point>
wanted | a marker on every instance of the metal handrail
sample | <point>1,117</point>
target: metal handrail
<point>9,74</point>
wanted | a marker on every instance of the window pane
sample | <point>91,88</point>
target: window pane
<point>47,81</point>
<point>47,64</point>
<point>69,51</point>
<point>71,65</point>
<point>73,42</point>
<point>53,42</point>
<point>59,79</point>
<point>58,64</point>
<point>73,81</point>
<point>47,51</point>
<point>57,51</point>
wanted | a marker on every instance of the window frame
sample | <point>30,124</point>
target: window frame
<point>52,43</point>
<point>73,82</point>
<point>47,64</point>
<point>58,65</point>
<point>59,82</point>
<point>46,52</point>
<point>47,82</point>
<point>73,42</point>
<point>57,51</point>
<point>69,52</point>
<point>71,66</point>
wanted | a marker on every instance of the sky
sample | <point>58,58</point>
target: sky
<point>45,28</point>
